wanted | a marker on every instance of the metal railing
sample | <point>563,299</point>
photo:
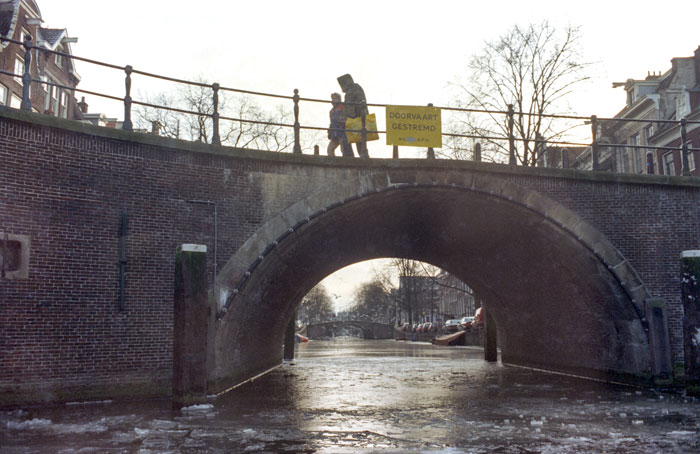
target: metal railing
<point>511,138</point>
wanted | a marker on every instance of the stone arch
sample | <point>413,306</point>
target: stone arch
<point>246,288</point>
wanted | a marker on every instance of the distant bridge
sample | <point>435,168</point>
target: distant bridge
<point>363,329</point>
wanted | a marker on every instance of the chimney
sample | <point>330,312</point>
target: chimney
<point>697,65</point>
<point>83,106</point>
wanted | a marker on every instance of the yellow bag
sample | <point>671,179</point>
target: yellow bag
<point>356,123</point>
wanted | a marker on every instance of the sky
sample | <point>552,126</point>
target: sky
<point>400,51</point>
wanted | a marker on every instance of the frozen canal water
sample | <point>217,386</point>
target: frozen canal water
<point>359,396</point>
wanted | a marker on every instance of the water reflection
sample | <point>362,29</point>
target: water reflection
<point>377,396</point>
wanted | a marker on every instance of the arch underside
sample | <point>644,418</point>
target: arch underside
<point>556,304</point>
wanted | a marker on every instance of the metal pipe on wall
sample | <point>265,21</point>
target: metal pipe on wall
<point>216,238</point>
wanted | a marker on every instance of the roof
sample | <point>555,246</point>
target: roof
<point>52,36</point>
<point>8,8</point>
<point>5,22</point>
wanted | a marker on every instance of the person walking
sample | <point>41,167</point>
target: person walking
<point>353,107</point>
<point>336,130</point>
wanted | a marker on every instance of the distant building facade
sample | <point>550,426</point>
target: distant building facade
<point>417,296</point>
<point>433,298</point>
<point>455,298</point>
<point>651,118</point>
<point>21,18</point>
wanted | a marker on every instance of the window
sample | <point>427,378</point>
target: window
<point>637,154</point>
<point>59,58</point>
<point>3,95</point>
<point>624,161</point>
<point>15,101</point>
<point>25,33</point>
<point>11,255</point>
<point>651,163</point>
<point>669,167</point>
<point>14,256</point>
<point>53,96</point>
<point>19,69</point>
<point>691,156</point>
<point>648,132</point>
<point>63,108</point>
<point>638,160</point>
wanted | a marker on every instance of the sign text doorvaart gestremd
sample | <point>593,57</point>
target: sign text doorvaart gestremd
<point>413,126</point>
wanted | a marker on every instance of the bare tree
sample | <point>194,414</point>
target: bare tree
<point>414,294</point>
<point>316,306</point>
<point>372,302</point>
<point>533,68</point>
<point>254,127</point>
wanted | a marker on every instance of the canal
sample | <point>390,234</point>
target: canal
<point>355,396</point>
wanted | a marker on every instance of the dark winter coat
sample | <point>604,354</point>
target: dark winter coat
<point>354,96</point>
<point>337,114</point>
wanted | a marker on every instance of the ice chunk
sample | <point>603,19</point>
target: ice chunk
<point>35,423</point>
<point>681,433</point>
<point>200,407</point>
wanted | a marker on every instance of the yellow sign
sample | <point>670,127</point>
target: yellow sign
<point>413,126</point>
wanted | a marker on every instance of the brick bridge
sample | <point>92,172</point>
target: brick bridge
<point>364,329</point>
<point>568,264</point>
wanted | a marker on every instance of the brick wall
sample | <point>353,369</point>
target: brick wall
<point>649,224</point>
<point>67,192</point>
<point>65,186</point>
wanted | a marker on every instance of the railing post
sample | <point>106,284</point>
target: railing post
<point>128,125</point>
<point>216,138</point>
<point>395,154</point>
<point>317,150</point>
<point>684,148</point>
<point>363,113</point>
<point>511,136</point>
<point>431,151</point>
<point>594,143</point>
<point>27,76</point>
<point>477,152</point>
<point>297,126</point>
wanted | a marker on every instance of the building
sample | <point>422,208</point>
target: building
<point>455,298</point>
<point>418,299</point>
<point>22,18</point>
<point>433,298</point>
<point>645,136</point>
<point>559,157</point>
